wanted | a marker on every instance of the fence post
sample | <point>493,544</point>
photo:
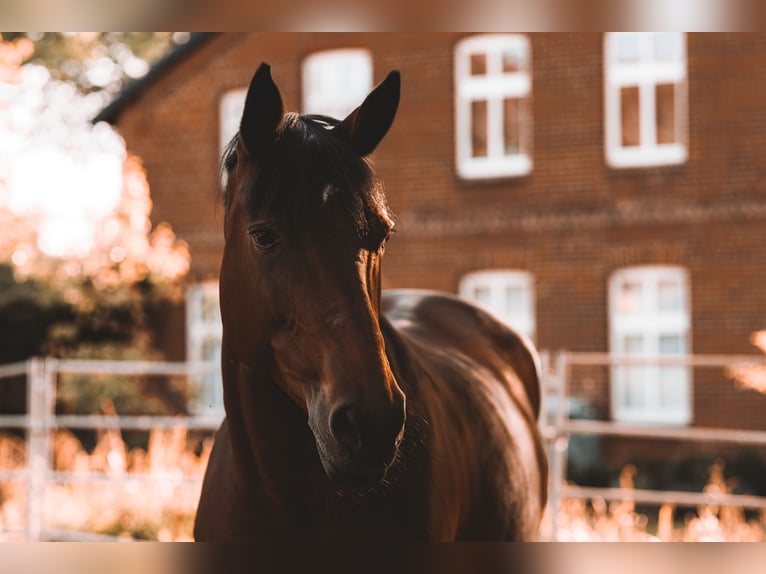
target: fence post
<point>547,387</point>
<point>560,440</point>
<point>36,439</point>
<point>41,398</point>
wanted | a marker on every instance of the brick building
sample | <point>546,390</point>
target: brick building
<point>600,192</point>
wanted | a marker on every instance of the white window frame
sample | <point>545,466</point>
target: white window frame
<point>493,88</point>
<point>645,73</point>
<point>207,388</point>
<point>497,281</point>
<point>650,323</point>
<point>230,109</point>
<point>336,81</point>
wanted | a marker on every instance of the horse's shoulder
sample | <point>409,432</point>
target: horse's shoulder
<point>423,306</point>
<point>440,319</point>
<point>450,316</point>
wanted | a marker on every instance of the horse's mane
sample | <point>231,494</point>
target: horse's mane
<point>289,179</point>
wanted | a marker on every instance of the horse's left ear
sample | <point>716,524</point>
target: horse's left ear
<point>366,125</point>
<point>263,112</point>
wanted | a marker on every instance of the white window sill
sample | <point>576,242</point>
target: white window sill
<point>492,168</point>
<point>672,154</point>
<point>652,417</point>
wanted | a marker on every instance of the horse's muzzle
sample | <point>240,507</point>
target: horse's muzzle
<point>358,449</point>
<point>355,479</point>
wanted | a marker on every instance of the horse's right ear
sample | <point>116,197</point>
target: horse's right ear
<point>263,112</point>
<point>366,125</point>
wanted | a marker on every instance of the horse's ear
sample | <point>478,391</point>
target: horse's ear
<point>366,125</point>
<point>263,112</point>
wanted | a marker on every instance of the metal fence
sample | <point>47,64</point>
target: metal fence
<point>558,428</point>
<point>41,421</point>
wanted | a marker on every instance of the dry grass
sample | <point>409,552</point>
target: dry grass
<point>126,507</point>
<point>619,521</point>
<point>125,503</point>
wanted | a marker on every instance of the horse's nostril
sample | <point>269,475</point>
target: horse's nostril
<point>344,426</point>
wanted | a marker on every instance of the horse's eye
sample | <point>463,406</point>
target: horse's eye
<point>264,237</point>
<point>386,237</point>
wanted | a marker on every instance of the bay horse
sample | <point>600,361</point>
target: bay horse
<point>353,414</point>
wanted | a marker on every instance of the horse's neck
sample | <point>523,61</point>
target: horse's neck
<point>403,363</point>
<point>270,438</point>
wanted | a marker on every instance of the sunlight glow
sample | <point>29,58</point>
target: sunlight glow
<point>70,194</point>
<point>54,165</point>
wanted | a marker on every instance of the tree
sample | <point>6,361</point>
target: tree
<point>751,376</point>
<point>82,271</point>
<point>98,61</point>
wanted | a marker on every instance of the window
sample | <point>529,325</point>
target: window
<point>509,295</point>
<point>203,344</point>
<point>335,82</point>
<point>230,114</point>
<point>493,88</point>
<point>649,315</point>
<point>231,108</point>
<point>645,99</point>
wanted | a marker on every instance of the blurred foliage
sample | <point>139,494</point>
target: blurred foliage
<point>108,302</point>
<point>117,323</point>
<point>42,318</point>
<point>96,61</point>
<point>123,394</point>
<point>751,376</point>
<point>28,311</point>
<point>685,473</point>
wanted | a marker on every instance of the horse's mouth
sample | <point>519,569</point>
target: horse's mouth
<point>356,478</point>
<point>350,474</point>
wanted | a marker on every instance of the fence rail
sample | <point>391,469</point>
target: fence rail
<point>659,497</point>
<point>41,420</point>
<point>557,381</point>
<point>608,428</point>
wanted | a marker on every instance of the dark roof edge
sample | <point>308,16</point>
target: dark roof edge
<point>132,90</point>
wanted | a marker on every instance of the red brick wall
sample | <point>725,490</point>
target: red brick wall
<point>571,222</point>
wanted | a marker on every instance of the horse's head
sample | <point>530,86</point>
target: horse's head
<point>306,225</point>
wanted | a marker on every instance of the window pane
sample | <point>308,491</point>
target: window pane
<point>666,113</point>
<point>515,301</point>
<point>650,317</point>
<point>211,349</point>
<point>628,47</point>
<point>629,298</point>
<point>479,128</point>
<point>514,59</point>
<point>668,47</point>
<point>210,390</point>
<point>232,105</point>
<point>483,295</point>
<point>634,395</point>
<point>334,82</point>
<point>629,106</point>
<point>478,64</point>
<point>512,117</point>
<point>209,311</point>
<point>672,382</point>
<point>670,295</point>
<point>633,344</point>
<point>671,344</point>
<point>508,294</point>
<point>634,376</point>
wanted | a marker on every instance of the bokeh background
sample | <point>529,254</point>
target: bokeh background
<point>601,192</point>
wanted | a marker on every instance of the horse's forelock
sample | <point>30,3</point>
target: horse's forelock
<point>289,182</point>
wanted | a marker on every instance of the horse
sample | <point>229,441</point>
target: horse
<point>354,414</point>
